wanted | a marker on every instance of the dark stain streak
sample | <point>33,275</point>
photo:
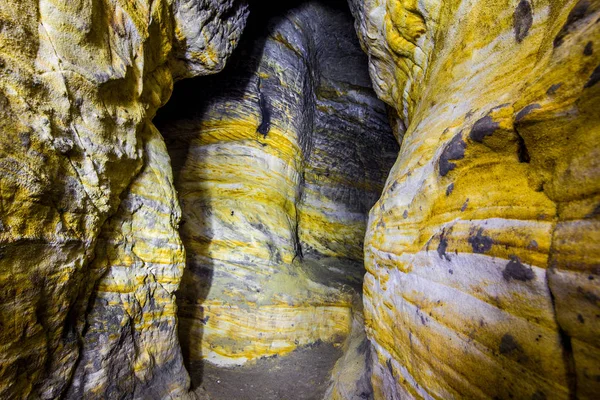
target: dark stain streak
<point>465,205</point>
<point>594,78</point>
<point>480,243</point>
<point>485,126</point>
<point>441,249</point>
<point>526,110</point>
<point>515,270</point>
<point>522,20</point>
<point>578,12</point>
<point>455,150</point>
<point>588,50</point>
<point>265,122</point>
<point>449,189</point>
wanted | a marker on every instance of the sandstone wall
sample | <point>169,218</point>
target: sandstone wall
<point>89,252</point>
<point>483,251</point>
<point>277,161</point>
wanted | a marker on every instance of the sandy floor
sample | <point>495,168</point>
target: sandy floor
<point>302,375</point>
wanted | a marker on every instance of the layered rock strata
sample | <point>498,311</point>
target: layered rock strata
<point>483,251</point>
<point>89,252</point>
<point>277,161</point>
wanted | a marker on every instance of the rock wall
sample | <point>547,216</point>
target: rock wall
<point>89,252</point>
<point>277,161</point>
<point>483,251</point>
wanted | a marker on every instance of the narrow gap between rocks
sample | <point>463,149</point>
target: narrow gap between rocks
<point>277,161</point>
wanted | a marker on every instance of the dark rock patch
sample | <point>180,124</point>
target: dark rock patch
<point>449,189</point>
<point>455,150</point>
<point>516,270</point>
<point>485,126</point>
<point>441,249</point>
<point>265,123</point>
<point>508,344</point>
<point>510,347</point>
<point>480,243</point>
<point>522,20</point>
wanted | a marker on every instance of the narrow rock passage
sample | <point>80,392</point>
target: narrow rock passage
<point>277,162</point>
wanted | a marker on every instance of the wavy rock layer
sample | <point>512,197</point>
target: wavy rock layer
<point>483,251</point>
<point>87,280</point>
<point>277,161</point>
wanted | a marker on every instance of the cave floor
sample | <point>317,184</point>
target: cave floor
<point>301,375</point>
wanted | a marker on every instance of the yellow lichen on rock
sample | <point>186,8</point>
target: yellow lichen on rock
<point>482,251</point>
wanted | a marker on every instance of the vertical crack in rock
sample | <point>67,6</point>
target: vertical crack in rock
<point>568,356</point>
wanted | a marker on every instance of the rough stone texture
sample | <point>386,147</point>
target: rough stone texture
<point>277,161</point>
<point>87,280</point>
<point>483,251</point>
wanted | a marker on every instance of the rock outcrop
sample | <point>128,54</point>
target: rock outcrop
<point>89,252</point>
<point>483,251</point>
<point>277,161</point>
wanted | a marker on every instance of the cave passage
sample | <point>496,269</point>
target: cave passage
<point>277,161</point>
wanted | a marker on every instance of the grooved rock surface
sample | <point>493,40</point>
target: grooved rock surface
<point>277,161</point>
<point>89,251</point>
<point>483,251</point>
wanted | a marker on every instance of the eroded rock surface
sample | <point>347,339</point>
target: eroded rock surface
<point>483,251</point>
<point>89,252</point>
<point>277,162</point>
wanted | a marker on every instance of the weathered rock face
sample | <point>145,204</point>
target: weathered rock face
<point>89,252</point>
<point>277,161</point>
<point>483,251</point>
